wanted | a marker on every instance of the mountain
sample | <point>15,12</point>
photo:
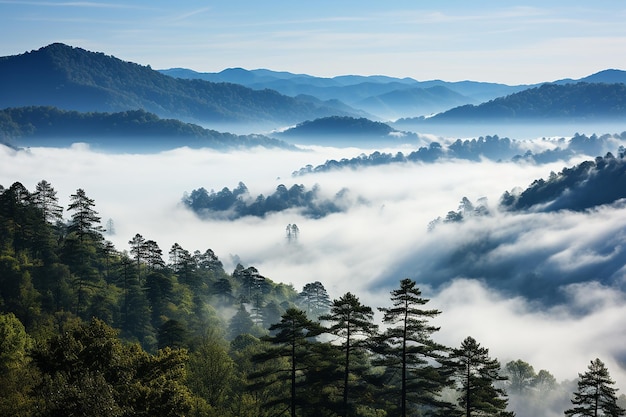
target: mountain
<point>415,100</point>
<point>609,76</point>
<point>75,79</point>
<point>363,92</point>
<point>580,101</point>
<point>135,129</point>
<point>585,186</point>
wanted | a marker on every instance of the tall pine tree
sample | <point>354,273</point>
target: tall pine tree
<point>476,374</point>
<point>595,396</point>
<point>406,346</point>
<point>353,323</point>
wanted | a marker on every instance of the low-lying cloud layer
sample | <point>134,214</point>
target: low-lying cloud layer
<point>545,288</point>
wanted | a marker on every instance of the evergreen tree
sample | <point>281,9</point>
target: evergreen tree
<point>314,299</point>
<point>45,199</point>
<point>241,323</point>
<point>476,374</point>
<point>85,220</point>
<point>352,322</point>
<point>290,339</point>
<point>87,371</point>
<point>139,252</point>
<point>407,347</point>
<point>595,396</point>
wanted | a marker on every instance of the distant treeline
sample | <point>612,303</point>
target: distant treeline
<point>489,147</point>
<point>584,186</point>
<point>51,123</point>
<point>227,204</point>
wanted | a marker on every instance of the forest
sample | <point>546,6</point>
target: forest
<point>43,124</point>
<point>488,147</point>
<point>89,329</point>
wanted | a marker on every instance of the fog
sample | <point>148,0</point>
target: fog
<point>544,288</point>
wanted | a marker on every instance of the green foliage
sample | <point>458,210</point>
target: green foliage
<point>238,203</point>
<point>476,375</point>
<point>81,324</point>
<point>595,395</point>
<point>87,371</point>
<point>406,348</point>
<point>353,323</point>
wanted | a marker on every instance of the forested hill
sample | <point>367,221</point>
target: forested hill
<point>75,79</point>
<point>342,126</point>
<point>580,101</point>
<point>584,186</point>
<point>49,126</point>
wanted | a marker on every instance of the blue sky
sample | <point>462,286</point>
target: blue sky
<point>497,41</point>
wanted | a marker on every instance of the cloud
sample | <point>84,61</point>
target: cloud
<point>545,288</point>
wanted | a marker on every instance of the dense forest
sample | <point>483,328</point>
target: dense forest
<point>136,128</point>
<point>227,204</point>
<point>92,330</point>
<point>493,148</point>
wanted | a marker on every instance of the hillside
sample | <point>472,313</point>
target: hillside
<point>582,187</point>
<point>339,126</point>
<point>415,100</point>
<point>49,126</point>
<point>579,101</point>
<point>75,79</point>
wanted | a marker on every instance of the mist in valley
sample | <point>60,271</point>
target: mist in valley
<point>546,288</point>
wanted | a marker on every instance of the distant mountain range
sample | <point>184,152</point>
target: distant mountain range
<point>386,97</point>
<point>75,79</point>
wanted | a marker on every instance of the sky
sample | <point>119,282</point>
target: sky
<point>364,249</point>
<point>507,42</point>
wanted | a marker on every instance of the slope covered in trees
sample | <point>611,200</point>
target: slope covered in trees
<point>580,101</point>
<point>49,126</point>
<point>75,79</point>
<point>89,329</point>
<point>584,186</point>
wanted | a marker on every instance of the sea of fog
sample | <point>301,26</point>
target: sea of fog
<point>382,238</point>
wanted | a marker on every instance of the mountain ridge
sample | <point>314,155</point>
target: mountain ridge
<point>72,78</point>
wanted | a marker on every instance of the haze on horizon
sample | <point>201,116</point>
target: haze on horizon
<point>480,41</point>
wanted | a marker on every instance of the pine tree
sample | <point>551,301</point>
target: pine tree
<point>406,347</point>
<point>45,198</point>
<point>290,339</point>
<point>352,322</point>
<point>314,299</point>
<point>85,220</point>
<point>595,396</point>
<point>476,374</point>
